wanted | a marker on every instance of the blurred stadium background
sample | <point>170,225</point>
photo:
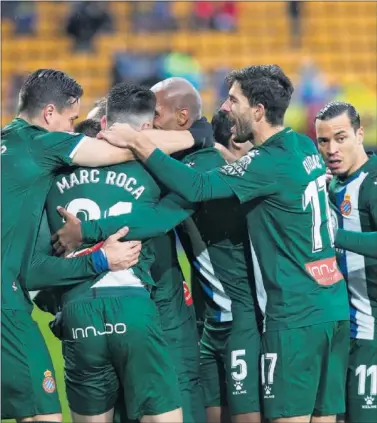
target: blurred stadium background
<point>327,48</point>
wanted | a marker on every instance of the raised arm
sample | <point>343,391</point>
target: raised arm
<point>363,243</point>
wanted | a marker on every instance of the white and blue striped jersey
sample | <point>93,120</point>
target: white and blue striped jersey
<point>354,201</point>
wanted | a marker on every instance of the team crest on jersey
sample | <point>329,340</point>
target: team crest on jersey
<point>239,167</point>
<point>48,382</point>
<point>346,206</point>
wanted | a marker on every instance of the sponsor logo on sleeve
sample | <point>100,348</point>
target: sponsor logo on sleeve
<point>325,272</point>
<point>239,167</point>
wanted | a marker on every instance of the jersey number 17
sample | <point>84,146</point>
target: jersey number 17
<point>316,195</point>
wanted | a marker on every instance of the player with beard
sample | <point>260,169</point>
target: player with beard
<point>218,250</point>
<point>353,196</point>
<point>282,184</point>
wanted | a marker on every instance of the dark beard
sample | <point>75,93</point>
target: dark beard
<point>243,132</point>
<point>244,137</point>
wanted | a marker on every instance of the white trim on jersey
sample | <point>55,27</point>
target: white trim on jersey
<point>259,285</point>
<point>207,271</point>
<point>356,277</point>
<point>77,146</point>
<point>119,279</point>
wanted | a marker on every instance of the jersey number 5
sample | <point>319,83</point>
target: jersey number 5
<point>91,211</point>
<point>316,195</point>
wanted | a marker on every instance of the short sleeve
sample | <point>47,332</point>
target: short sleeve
<point>253,175</point>
<point>56,149</point>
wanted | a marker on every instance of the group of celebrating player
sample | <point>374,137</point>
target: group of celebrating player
<point>289,322</point>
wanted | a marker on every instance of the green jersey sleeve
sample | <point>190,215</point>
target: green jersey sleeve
<point>47,271</point>
<point>364,243</point>
<point>149,221</point>
<point>190,184</point>
<point>56,149</point>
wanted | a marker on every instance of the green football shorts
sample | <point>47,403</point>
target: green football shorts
<point>28,385</point>
<point>304,370</point>
<point>361,401</point>
<point>117,342</point>
<point>229,364</point>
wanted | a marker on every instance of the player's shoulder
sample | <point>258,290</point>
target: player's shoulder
<point>206,156</point>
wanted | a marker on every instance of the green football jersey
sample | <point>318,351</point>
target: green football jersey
<point>29,157</point>
<point>354,201</point>
<point>217,245</point>
<point>283,186</point>
<point>99,193</point>
<point>169,294</point>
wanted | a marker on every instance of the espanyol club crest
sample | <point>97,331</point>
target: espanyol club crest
<point>48,382</point>
<point>346,206</point>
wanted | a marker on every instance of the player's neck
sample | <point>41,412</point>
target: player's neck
<point>362,158</point>
<point>32,121</point>
<point>265,133</point>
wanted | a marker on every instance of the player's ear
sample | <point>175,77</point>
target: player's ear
<point>258,112</point>
<point>360,135</point>
<point>48,112</point>
<point>103,122</point>
<point>182,117</point>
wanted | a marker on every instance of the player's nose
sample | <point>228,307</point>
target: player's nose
<point>225,106</point>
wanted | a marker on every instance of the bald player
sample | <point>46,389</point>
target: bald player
<point>217,249</point>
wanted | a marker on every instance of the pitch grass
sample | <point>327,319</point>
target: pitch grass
<point>54,347</point>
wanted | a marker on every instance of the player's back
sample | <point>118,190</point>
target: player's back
<point>92,194</point>
<point>29,156</point>
<point>291,236</point>
<point>216,242</point>
<point>353,201</point>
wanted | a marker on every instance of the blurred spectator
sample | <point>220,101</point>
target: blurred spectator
<point>88,19</point>
<point>22,13</point>
<point>220,16</point>
<point>152,16</point>
<point>294,11</point>
<point>225,17</point>
<point>184,66</point>
<point>140,68</point>
<point>12,91</point>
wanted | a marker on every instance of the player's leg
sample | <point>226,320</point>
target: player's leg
<point>28,388</point>
<point>291,364</point>
<point>242,368</point>
<point>91,381</point>
<point>212,370</point>
<point>184,352</point>
<point>361,399</point>
<point>331,390</point>
<point>140,355</point>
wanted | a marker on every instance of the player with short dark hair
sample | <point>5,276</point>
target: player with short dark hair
<point>116,305</point>
<point>282,184</point>
<point>89,127</point>
<point>31,153</point>
<point>218,250</point>
<point>353,197</point>
<point>222,131</point>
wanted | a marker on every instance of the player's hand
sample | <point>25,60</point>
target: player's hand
<point>121,255</point>
<point>329,176</point>
<point>120,134</point>
<point>228,156</point>
<point>69,237</point>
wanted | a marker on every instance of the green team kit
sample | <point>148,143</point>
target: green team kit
<point>354,202</point>
<point>30,155</point>
<point>215,245</point>
<point>298,284</point>
<point>114,312</point>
